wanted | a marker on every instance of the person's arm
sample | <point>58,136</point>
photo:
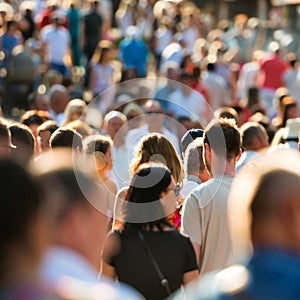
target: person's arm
<point>190,276</point>
<point>196,247</point>
<point>107,270</point>
<point>110,250</point>
<point>191,223</point>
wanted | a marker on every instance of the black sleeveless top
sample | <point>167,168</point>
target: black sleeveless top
<point>172,251</point>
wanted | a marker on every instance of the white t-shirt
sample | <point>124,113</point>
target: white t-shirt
<point>58,41</point>
<point>193,104</point>
<point>205,221</point>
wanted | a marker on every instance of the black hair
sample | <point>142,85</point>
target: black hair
<point>21,200</point>
<point>148,182</point>
<point>66,138</point>
<point>22,137</point>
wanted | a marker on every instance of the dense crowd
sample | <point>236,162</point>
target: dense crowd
<point>146,151</point>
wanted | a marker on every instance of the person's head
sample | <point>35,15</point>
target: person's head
<point>153,113</point>
<point>133,114</point>
<point>221,142</point>
<point>269,208</point>
<point>289,109</point>
<point>292,59</point>
<point>274,48</point>
<point>23,232</point>
<point>188,138</point>
<point>193,163</point>
<point>37,101</point>
<point>74,204</point>
<point>33,119</point>
<point>99,147</point>
<point>44,133</point>
<point>59,98</point>
<point>113,122</point>
<point>11,26</point>
<point>66,138</point>
<point>253,136</point>
<point>94,5</point>
<point>23,138</point>
<point>74,110</point>
<point>6,145</point>
<point>171,70</point>
<point>81,127</point>
<point>156,147</point>
<point>102,52</point>
<point>152,186</point>
<point>227,112</point>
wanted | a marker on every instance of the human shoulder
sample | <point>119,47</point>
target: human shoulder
<point>229,283</point>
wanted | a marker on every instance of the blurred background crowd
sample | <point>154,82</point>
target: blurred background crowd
<point>149,100</point>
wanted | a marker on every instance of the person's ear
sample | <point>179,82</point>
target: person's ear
<point>207,150</point>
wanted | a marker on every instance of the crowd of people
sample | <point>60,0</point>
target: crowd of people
<point>146,152</point>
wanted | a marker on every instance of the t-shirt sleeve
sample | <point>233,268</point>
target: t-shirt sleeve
<point>191,223</point>
<point>191,261</point>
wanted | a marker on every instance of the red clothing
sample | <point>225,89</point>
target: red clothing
<point>271,71</point>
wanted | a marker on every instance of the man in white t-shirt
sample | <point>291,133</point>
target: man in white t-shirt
<point>57,43</point>
<point>204,217</point>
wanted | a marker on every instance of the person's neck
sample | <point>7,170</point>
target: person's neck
<point>221,167</point>
<point>20,268</point>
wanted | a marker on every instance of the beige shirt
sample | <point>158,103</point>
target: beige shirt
<point>204,220</point>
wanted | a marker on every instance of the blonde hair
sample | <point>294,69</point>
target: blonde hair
<point>80,127</point>
<point>75,105</point>
<point>157,148</point>
<point>103,45</point>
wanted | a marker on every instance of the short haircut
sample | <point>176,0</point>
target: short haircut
<point>50,126</point>
<point>97,143</point>
<point>189,137</point>
<point>66,138</point>
<point>249,131</point>
<point>35,117</point>
<point>193,158</point>
<point>223,138</point>
<point>23,138</point>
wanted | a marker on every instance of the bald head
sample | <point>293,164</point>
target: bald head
<point>59,98</point>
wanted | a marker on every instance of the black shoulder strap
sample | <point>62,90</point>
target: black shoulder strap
<point>163,280</point>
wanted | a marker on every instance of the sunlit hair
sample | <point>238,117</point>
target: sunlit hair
<point>157,148</point>
<point>102,47</point>
<point>74,106</point>
<point>113,114</point>
<point>81,127</point>
<point>97,143</point>
<point>223,137</point>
